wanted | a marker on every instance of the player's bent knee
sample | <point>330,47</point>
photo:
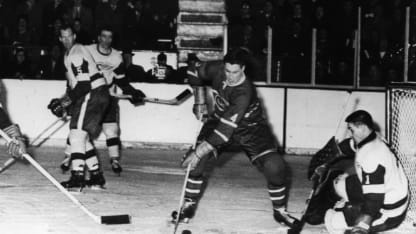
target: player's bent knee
<point>111,130</point>
<point>335,222</point>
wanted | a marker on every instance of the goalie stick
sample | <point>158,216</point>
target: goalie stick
<point>110,219</point>
<point>298,224</point>
<point>175,101</point>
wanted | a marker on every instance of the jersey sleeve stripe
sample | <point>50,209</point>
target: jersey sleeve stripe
<point>83,77</point>
<point>193,74</point>
<point>229,123</point>
<point>98,83</point>
<point>223,137</point>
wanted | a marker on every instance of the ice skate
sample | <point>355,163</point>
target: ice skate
<point>65,164</point>
<point>96,181</point>
<point>115,166</point>
<point>187,212</point>
<point>283,217</point>
<point>76,182</point>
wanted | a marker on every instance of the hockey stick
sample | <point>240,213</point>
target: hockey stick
<point>64,119</point>
<point>188,169</point>
<point>7,164</point>
<point>12,160</point>
<point>112,219</point>
<point>298,224</point>
<point>175,101</point>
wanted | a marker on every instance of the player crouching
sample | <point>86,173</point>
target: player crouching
<point>374,198</point>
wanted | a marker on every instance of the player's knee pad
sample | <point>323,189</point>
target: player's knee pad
<point>335,222</point>
<point>111,130</point>
<point>274,168</point>
<point>77,139</point>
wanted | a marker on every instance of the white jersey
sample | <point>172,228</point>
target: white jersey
<point>381,173</point>
<point>80,67</point>
<point>110,65</point>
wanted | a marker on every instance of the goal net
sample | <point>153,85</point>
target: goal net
<point>401,115</point>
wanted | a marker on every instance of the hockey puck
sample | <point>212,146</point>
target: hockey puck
<point>186,232</point>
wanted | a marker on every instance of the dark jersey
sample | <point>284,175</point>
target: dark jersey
<point>4,118</point>
<point>237,106</point>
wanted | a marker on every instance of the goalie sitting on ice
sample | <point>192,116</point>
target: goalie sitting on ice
<point>374,195</point>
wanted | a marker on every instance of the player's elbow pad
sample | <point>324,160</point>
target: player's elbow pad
<point>80,90</point>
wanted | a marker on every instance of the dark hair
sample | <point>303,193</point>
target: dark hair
<point>161,56</point>
<point>66,26</point>
<point>360,117</point>
<point>236,56</point>
<point>105,28</point>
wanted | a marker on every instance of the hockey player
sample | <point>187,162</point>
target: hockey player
<point>376,198</point>
<point>238,118</point>
<point>17,146</point>
<point>110,64</point>
<point>87,97</point>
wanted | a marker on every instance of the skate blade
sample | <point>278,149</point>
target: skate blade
<point>75,190</point>
<point>185,221</point>
<point>97,187</point>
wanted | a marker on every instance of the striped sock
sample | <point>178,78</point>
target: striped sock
<point>193,187</point>
<point>277,195</point>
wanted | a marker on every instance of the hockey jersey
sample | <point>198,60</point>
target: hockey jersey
<point>110,65</point>
<point>384,183</point>
<point>236,106</point>
<point>81,71</point>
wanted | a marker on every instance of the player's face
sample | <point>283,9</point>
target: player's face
<point>233,72</point>
<point>105,39</point>
<point>67,38</point>
<point>358,132</point>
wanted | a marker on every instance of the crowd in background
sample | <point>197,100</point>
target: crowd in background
<point>29,35</point>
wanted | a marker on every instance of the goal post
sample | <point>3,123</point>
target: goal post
<point>401,134</point>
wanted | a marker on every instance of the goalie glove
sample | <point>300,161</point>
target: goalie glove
<point>16,147</point>
<point>58,106</point>
<point>193,157</point>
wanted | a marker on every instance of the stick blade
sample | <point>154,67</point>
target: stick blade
<point>116,219</point>
<point>184,95</point>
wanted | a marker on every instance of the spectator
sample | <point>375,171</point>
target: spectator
<point>82,13</point>
<point>56,9</point>
<point>133,27</point>
<point>33,10</point>
<point>22,34</point>
<point>110,13</point>
<point>161,72</point>
<point>52,65</point>
<point>237,24</point>
<point>182,74</point>
<point>134,73</point>
<point>82,36</point>
<point>20,67</point>
<point>51,36</point>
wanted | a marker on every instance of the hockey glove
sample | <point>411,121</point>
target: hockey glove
<point>16,147</point>
<point>58,106</point>
<point>137,96</point>
<point>193,157</point>
<point>200,111</point>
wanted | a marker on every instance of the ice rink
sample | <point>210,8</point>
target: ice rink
<point>235,201</point>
